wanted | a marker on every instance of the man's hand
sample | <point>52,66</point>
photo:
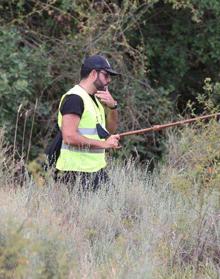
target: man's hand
<point>106,98</point>
<point>112,142</point>
<point>70,123</point>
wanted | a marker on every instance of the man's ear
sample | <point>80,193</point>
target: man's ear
<point>93,74</point>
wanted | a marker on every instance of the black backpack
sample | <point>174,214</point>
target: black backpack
<point>52,151</point>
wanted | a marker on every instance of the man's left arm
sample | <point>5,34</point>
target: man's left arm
<point>111,110</point>
<point>112,120</point>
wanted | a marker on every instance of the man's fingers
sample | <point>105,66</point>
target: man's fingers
<point>98,95</point>
<point>101,97</point>
<point>104,99</point>
<point>117,136</point>
<point>102,92</point>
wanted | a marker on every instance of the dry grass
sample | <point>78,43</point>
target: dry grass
<point>164,224</point>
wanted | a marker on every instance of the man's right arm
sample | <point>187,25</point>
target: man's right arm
<point>70,124</point>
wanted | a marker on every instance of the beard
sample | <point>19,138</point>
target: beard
<point>99,85</point>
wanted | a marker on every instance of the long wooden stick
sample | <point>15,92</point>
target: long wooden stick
<point>164,126</point>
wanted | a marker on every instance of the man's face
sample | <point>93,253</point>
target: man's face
<point>102,80</point>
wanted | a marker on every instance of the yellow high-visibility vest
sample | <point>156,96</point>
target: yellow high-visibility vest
<point>73,158</point>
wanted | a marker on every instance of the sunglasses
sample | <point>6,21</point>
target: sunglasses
<point>105,74</point>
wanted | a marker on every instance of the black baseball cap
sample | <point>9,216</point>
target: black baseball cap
<point>98,62</point>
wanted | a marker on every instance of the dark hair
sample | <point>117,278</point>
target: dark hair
<point>84,72</point>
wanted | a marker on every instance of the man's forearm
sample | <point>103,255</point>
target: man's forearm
<point>78,140</point>
<point>112,120</point>
<point>83,142</point>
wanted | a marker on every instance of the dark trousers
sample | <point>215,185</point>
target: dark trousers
<point>87,181</point>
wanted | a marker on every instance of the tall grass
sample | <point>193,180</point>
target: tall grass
<point>163,224</point>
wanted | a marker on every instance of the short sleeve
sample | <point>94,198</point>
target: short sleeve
<point>72,104</point>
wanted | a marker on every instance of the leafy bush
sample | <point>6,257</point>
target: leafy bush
<point>22,80</point>
<point>163,49</point>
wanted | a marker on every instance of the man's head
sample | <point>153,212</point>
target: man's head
<point>99,70</point>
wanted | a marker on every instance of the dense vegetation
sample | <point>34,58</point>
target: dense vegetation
<point>158,225</point>
<point>161,224</point>
<point>164,50</point>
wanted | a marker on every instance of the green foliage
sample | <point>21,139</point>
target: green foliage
<point>23,77</point>
<point>164,50</point>
<point>193,171</point>
<point>13,261</point>
<point>52,258</point>
<point>180,50</point>
<point>16,248</point>
<point>198,160</point>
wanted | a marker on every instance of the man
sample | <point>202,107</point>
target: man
<point>83,123</point>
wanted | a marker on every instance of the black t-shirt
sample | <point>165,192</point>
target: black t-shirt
<point>73,104</point>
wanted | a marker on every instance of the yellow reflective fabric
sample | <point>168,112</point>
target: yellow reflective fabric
<point>85,160</point>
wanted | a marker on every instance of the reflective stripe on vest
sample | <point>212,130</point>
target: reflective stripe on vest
<point>86,150</point>
<point>88,131</point>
